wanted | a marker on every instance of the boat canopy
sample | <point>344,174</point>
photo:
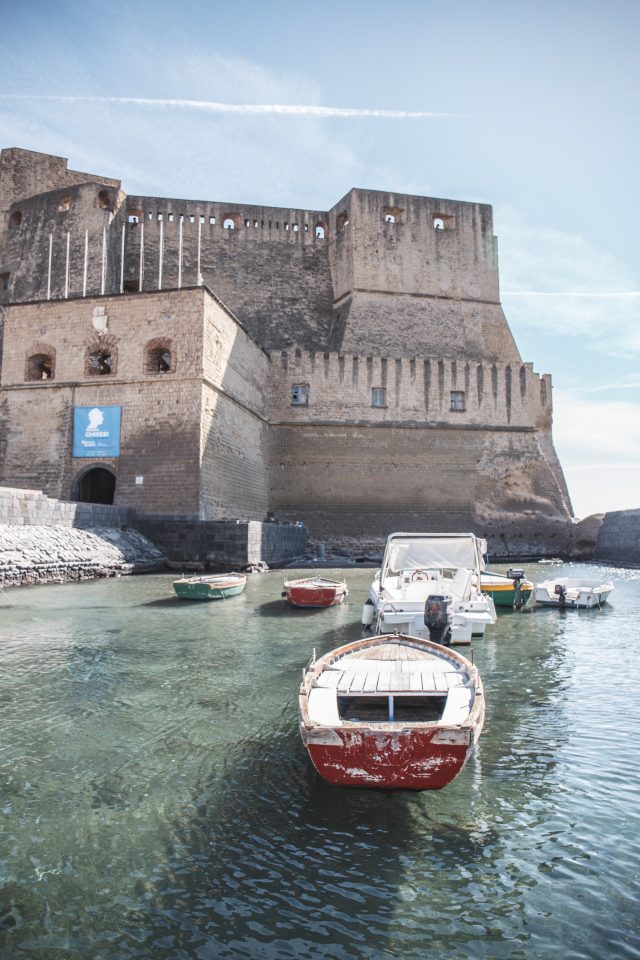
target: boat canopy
<point>440,552</point>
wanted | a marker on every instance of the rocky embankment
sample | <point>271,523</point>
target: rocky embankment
<point>47,554</point>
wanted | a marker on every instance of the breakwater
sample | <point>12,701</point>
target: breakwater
<point>618,538</point>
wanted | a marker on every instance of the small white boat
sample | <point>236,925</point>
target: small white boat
<point>421,567</point>
<point>571,594</point>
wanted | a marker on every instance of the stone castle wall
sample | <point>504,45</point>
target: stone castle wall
<point>384,291</point>
<point>166,427</point>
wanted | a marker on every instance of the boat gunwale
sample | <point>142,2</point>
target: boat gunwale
<point>474,719</point>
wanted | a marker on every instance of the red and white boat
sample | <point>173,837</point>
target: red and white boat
<point>314,592</point>
<point>393,712</point>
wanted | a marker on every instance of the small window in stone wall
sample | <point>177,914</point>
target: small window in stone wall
<point>15,220</point>
<point>300,394</point>
<point>378,397</point>
<point>40,366</point>
<point>101,359</point>
<point>457,400</point>
<point>64,204</point>
<point>443,222</point>
<point>103,200</point>
<point>393,215</point>
<point>159,357</point>
<point>343,221</point>
<point>4,281</point>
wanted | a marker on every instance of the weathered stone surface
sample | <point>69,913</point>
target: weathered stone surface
<point>42,554</point>
<point>619,538</point>
<point>384,292</point>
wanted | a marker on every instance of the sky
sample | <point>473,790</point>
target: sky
<point>530,105</point>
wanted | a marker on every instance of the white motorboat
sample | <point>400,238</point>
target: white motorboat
<point>440,567</point>
<point>569,594</point>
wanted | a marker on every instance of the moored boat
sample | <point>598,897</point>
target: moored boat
<point>420,566</point>
<point>314,592</point>
<point>219,586</point>
<point>392,711</point>
<point>571,593</point>
<point>503,589</point>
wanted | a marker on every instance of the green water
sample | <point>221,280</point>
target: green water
<point>157,803</point>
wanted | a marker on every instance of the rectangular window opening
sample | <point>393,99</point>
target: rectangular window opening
<point>457,400</point>
<point>299,394</point>
<point>378,397</point>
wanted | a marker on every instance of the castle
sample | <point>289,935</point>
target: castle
<point>351,368</point>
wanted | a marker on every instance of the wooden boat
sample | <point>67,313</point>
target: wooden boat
<point>314,592</point>
<point>219,586</point>
<point>569,594</point>
<point>392,711</point>
<point>503,588</point>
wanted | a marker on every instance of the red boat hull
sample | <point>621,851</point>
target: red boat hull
<point>406,760</point>
<point>311,593</point>
<point>313,597</point>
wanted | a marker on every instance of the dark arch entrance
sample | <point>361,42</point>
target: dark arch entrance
<point>97,485</point>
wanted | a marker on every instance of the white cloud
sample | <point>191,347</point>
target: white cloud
<point>598,443</point>
<point>556,282</point>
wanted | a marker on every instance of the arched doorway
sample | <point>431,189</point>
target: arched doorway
<point>97,485</point>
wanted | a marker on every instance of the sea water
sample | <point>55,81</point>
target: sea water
<point>156,801</point>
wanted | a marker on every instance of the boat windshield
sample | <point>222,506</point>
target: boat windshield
<point>431,553</point>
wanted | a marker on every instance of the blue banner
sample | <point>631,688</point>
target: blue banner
<point>96,431</point>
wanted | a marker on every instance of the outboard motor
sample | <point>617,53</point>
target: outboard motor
<point>517,576</point>
<point>437,619</point>
<point>561,593</point>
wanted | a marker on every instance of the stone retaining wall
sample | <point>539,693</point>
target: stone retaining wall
<point>30,553</point>
<point>224,543</point>
<point>619,538</point>
<point>32,507</point>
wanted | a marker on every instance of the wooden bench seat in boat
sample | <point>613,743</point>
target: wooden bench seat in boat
<point>389,678</point>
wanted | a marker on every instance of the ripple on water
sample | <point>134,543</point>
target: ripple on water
<point>157,801</point>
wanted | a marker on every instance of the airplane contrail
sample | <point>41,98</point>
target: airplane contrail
<point>300,110</point>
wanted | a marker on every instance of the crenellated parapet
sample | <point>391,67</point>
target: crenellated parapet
<point>311,387</point>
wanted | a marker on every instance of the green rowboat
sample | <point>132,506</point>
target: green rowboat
<point>217,587</point>
<point>501,589</point>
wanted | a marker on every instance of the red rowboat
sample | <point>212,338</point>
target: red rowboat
<point>314,592</point>
<point>393,712</point>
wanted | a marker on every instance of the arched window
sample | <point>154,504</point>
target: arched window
<point>231,221</point>
<point>321,231</point>
<point>41,363</point>
<point>95,485</point>
<point>15,220</point>
<point>104,200</point>
<point>342,221</point>
<point>64,204</point>
<point>393,215</point>
<point>443,222</point>
<point>159,356</point>
<point>135,216</point>
<point>101,358</point>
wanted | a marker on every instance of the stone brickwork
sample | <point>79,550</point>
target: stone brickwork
<point>33,508</point>
<point>619,538</point>
<point>224,544</point>
<point>382,316</point>
<point>191,438</point>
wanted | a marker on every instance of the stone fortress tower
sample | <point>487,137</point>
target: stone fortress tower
<point>351,368</point>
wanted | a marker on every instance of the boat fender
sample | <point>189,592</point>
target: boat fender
<point>367,613</point>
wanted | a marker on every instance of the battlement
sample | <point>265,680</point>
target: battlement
<point>310,387</point>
